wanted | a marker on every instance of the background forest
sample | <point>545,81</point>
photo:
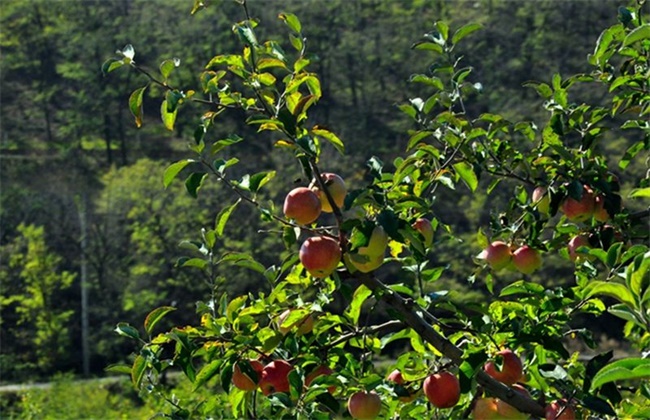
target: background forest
<point>82,202</point>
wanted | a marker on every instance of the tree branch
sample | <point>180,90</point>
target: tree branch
<point>408,309</point>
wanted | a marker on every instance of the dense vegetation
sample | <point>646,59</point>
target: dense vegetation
<point>82,195</point>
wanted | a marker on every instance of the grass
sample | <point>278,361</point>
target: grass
<point>68,399</point>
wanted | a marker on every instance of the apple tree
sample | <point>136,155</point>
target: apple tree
<point>354,275</point>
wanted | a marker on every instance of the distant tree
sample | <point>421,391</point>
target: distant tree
<point>32,284</point>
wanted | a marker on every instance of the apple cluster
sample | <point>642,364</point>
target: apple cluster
<point>507,368</point>
<point>441,389</point>
<point>526,259</point>
<point>320,255</point>
<point>500,255</point>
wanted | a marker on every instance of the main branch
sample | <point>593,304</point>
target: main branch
<point>408,311</point>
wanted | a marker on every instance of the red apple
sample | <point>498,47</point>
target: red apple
<point>423,226</point>
<point>302,205</point>
<point>319,371</point>
<point>509,371</point>
<point>305,325</point>
<point>244,382</point>
<point>275,377</point>
<point>336,187</point>
<point>364,405</point>
<point>526,259</point>
<point>497,254</point>
<point>579,211</point>
<point>575,243</point>
<point>542,200</point>
<point>600,213</point>
<point>559,410</point>
<point>320,255</point>
<point>442,389</point>
<point>396,377</point>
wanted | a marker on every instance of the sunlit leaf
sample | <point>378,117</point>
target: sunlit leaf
<point>156,315</point>
<point>360,295</point>
<point>173,170</point>
<point>222,218</point>
<point>135,105</point>
<point>624,369</point>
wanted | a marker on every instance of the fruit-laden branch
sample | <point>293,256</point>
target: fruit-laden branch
<point>408,310</point>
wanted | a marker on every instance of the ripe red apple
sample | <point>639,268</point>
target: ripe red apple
<point>302,205</point>
<point>320,255</point>
<point>600,213</point>
<point>526,259</point>
<point>542,200</point>
<point>275,377</point>
<point>319,371</point>
<point>575,243</point>
<point>244,382</point>
<point>579,211</point>
<point>336,187</point>
<point>497,254</point>
<point>396,377</point>
<point>553,411</point>
<point>509,371</point>
<point>305,325</point>
<point>423,226</point>
<point>364,405</point>
<point>442,389</point>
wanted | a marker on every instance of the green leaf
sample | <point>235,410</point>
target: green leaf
<point>638,34</point>
<point>624,369</point>
<point>640,192</point>
<point>615,290</point>
<point>237,400</point>
<point>260,179</point>
<point>465,30</point>
<point>522,287</point>
<point>206,373</point>
<point>630,153</point>
<point>135,105</point>
<point>156,315</point>
<point>110,65</point>
<point>244,260</point>
<point>174,169</point>
<point>194,181</point>
<point>428,46</point>
<point>118,368</point>
<point>137,370</point>
<point>466,173</point>
<point>613,254</point>
<point>167,66</point>
<point>168,117</point>
<point>126,330</point>
<point>292,21</point>
<point>330,137</point>
<point>235,306</point>
<point>222,218</point>
<point>221,144</point>
<point>360,295</point>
